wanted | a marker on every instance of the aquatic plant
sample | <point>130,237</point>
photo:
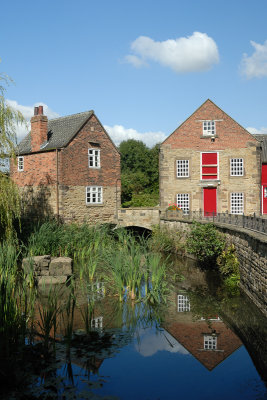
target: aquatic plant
<point>48,313</point>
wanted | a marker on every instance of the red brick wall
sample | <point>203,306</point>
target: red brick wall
<point>39,169</point>
<point>190,133</point>
<point>74,170</point>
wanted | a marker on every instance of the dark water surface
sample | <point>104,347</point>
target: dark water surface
<point>206,343</point>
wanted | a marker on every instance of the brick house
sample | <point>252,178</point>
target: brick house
<point>68,167</point>
<point>211,163</point>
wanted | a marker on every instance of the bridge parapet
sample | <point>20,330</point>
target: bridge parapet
<point>144,217</point>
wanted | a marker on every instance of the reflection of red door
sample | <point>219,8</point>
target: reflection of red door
<point>264,199</point>
<point>210,201</point>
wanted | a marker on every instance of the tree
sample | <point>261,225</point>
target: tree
<point>9,196</point>
<point>140,176</point>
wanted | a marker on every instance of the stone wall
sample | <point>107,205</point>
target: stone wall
<point>73,207</point>
<point>251,249</point>
<point>38,201</point>
<point>139,216</point>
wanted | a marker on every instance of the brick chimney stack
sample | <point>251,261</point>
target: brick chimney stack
<point>38,128</point>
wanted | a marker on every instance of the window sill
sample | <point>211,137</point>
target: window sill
<point>94,205</point>
<point>209,182</point>
<point>208,136</point>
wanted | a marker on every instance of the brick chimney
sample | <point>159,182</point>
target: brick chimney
<point>38,128</point>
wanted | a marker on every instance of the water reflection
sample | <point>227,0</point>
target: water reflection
<point>186,347</point>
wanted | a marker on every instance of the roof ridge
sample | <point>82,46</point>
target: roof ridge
<point>71,115</point>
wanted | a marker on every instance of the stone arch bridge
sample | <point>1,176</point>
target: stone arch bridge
<point>140,217</point>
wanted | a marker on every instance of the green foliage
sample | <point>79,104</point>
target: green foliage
<point>205,242</point>
<point>9,197</point>
<point>166,241</point>
<point>71,240</point>
<point>228,262</point>
<point>15,303</point>
<point>139,173</point>
<point>9,207</point>
<point>229,267</point>
<point>143,200</point>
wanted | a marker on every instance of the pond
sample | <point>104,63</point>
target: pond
<point>204,343</point>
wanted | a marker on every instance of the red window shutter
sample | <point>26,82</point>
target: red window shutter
<point>209,166</point>
<point>264,174</point>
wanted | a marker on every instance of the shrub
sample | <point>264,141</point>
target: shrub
<point>205,242</point>
<point>166,241</point>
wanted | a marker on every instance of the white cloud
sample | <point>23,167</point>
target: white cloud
<point>118,133</point>
<point>255,131</point>
<point>255,66</point>
<point>186,54</point>
<point>135,61</point>
<point>27,112</point>
<point>163,341</point>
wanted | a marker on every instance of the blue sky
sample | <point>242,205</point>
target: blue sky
<point>143,66</point>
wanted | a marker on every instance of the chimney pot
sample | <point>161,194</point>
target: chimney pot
<point>40,110</point>
<point>35,110</point>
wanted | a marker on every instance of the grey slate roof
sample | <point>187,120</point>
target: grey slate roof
<point>263,139</point>
<point>59,132</point>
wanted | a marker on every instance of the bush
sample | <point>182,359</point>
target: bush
<point>205,242</point>
<point>142,200</point>
<point>166,241</point>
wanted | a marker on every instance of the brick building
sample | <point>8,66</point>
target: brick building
<point>211,163</point>
<point>68,167</point>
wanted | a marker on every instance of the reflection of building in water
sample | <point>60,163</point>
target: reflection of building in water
<point>97,323</point>
<point>183,303</point>
<point>209,341</point>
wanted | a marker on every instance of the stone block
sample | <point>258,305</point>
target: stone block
<point>42,261</point>
<point>61,266</point>
<point>51,280</point>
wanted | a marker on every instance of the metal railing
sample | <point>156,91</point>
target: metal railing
<point>252,222</point>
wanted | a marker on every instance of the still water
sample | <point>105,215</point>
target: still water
<point>205,343</point>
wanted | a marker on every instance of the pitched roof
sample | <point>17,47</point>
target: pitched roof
<point>263,139</point>
<point>59,132</point>
<point>206,101</point>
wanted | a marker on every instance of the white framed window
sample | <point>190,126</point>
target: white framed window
<point>183,303</point>
<point>209,128</point>
<point>94,158</point>
<point>98,289</point>
<point>265,192</point>
<point>210,342</point>
<point>182,168</point>
<point>183,202</point>
<point>237,203</point>
<point>20,163</point>
<point>97,323</point>
<point>236,166</point>
<point>94,195</point>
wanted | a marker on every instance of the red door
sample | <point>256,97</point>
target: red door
<point>210,202</point>
<point>264,199</point>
